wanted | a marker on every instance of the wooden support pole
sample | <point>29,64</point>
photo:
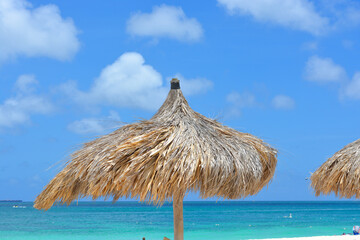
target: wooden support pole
<point>178,217</point>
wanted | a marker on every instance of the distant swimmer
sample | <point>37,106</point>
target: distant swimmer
<point>356,230</point>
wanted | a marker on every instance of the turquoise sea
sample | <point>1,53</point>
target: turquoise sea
<point>202,220</point>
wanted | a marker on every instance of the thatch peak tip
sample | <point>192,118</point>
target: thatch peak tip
<point>175,83</point>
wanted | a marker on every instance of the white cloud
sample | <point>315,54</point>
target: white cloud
<point>295,14</point>
<point>283,102</point>
<point>26,84</point>
<point>18,109</point>
<point>129,82</point>
<point>95,125</point>
<point>324,70</point>
<point>352,89</point>
<point>165,21</point>
<point>300,14</point>
<point>28,31</point>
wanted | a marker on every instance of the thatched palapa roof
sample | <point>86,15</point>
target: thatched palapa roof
<point>176,151</point>
<point>340,173</point>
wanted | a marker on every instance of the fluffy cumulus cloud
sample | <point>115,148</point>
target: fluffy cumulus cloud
<point>41,31</point>
<point>18,109</point>
<point>323,70</point>
<point>283,102</point>
<point>296,14</point>
<point>95,125</point>
<point>129,82</point>
<point>165,21</point>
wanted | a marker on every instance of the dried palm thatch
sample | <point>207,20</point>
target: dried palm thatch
<point>340,173</point>
<point>176,151</point>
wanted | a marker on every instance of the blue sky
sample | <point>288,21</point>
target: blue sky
<point>287,71</point>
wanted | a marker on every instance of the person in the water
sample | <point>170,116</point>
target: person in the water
<point>356,230</point>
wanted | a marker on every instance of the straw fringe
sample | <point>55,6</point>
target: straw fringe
<point>340,173</point>
<point>176,151</point>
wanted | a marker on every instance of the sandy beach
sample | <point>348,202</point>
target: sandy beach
<point>341,237</point>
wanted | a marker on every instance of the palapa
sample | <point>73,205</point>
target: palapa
<point>161,159</point>
<point>340,173</point>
